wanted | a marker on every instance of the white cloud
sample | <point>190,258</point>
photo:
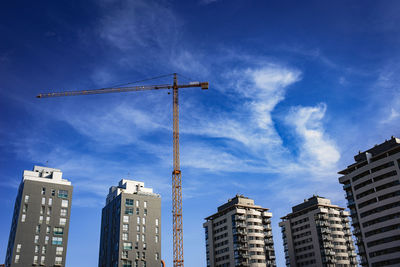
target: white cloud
<point>317,149</point>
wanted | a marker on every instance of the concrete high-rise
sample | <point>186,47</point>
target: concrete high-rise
<point>239,234</point>
<point>372,186</point>
<point>317,233</point>
<point>40,223</point>
<point>131,227</point>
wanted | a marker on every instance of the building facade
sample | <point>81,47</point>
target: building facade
<point>239,234</point>
<point>372,188</point>
<point>40,223</point>
<point>317,233</point>
<point>131,227</point>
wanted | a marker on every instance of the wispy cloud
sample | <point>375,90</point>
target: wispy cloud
<point>316,148</point>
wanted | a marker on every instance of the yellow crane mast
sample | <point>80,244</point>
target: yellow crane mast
<point>176,173</point>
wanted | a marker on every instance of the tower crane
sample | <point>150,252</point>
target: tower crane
<point>176,173</point>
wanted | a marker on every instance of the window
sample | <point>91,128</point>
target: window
<point>16,259</point>
<point>145,212</point>
<point>144,246</point>
<point>143,238</point>
<point>36,239</point>
<point>49,211</point>
<point>124,254</point>
<point>125,219</point>
<point>143,229</point>
<point>156,222</point>
<point>47,220</point>
<point>136,264</point>
<point>64,203</point>
<point>137,255</point>
<point>156,229</point>
<point>40,219</point>
<point>51,201</point>
<point>137,211</point>
<point>144,220</point>
<point>125,227</point>
<point>23,217</point>
<point>43,191</point>
<point>138,220</point>
<point>24,208</point>
<point>157,256</point>
<point>137,228</point>
<point>129,202</point>
<point>38,228</point>
<point>136,245</point>
<point>62,193</point>
<point>35,259</point>
<point>36,249</point>
<point>44,250</point>
<point>137,237</point>
<point>57,240</point>
<point>145,204</point>
<point>144,263</point>
<point>58,231</point>
<point>143,255</point>
<point>46,239</point>
<point>42,210</point>
<point>59,250</point>
<point>137,203</point>
<point>129,211</point>
<point>125,236</point>
<point>48,228</point>
<point>127,245</point>
<point>126,263</point>
<point>53,192</point>
<point>26,198</point>
<point>18,250</point>
<point>63,212</point>
<point>58,261</point>
<point>63,221</point>
<point>43,201</point>
<point>42,260</point>
<point>156,238</point>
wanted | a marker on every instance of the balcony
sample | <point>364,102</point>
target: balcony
<point>346,186</point>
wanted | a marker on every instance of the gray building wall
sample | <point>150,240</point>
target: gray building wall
<point>317,233</point>
<point>239,234</point>
<point>39,230</point>
<point>372,188</point>
<point>131,227</point>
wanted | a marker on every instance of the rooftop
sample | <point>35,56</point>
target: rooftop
<point>129,187</point>
<point>45,174</point>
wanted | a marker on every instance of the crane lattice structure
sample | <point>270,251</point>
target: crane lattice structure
<point>176,173</point>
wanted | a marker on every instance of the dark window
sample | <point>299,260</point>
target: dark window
<point>129,202</point>
<point>62,193</point>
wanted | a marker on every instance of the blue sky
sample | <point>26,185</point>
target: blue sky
<point>296,90</point>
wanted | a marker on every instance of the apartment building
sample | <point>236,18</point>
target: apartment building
<point>317,233</point>
<point>131,227</point>
<point>40,223</point>
<point>372,188</point>
<point>239,234</point>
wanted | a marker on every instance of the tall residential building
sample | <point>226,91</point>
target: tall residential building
<point>40,224</point>
<point>239,234</point>
<point>372,186</point>
<point>317,233</point>
<point>131,227</point>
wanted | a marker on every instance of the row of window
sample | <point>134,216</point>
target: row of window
<point>57,261</point>
<point>131,203</point>
<point>129,211</point>
<point>382,219</point>
<point>375,179</point>
<point>380,209</point>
